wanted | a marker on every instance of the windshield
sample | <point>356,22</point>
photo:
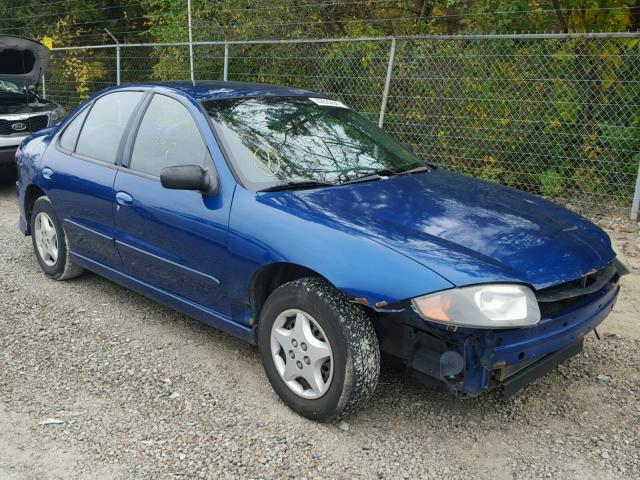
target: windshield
<point>9,87</point>
<point>274,140</point>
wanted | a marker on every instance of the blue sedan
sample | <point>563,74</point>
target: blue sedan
<point>285,218</point>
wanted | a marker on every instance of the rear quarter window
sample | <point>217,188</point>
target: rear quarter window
<point>70,134</point>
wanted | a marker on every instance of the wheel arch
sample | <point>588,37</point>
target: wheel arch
<point>269,277</point>
<point>32,193</point>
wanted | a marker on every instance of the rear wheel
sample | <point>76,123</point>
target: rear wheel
<point>50,242</point>
<point>319,350</point>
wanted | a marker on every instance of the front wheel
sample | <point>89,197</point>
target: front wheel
<point>319,351</point>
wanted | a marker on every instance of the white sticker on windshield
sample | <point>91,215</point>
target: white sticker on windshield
<point>325,102</point>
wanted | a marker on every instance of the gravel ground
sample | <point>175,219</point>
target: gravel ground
<point>97,382</point>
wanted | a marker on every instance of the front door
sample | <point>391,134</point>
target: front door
<point>174,240</point>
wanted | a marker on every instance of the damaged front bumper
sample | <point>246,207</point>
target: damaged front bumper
<point>471,361</point>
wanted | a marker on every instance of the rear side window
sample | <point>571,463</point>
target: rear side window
<point>70,134</point>
<point>167,137</point>
<point>103,129</point>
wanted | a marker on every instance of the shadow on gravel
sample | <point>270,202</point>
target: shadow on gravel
<point>7,178</point>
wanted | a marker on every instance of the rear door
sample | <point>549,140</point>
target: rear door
<point>78,175</point>
<point>174,240</point>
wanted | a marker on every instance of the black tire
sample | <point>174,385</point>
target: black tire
<point>63,268</point>
<point>353,341</point>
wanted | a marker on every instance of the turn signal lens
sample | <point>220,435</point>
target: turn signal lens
<point>435,307</point>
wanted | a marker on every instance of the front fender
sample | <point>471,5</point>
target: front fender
<point>264,232</point>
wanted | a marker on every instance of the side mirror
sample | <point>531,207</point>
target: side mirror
<point>188,177</point>
<point>408,146</point>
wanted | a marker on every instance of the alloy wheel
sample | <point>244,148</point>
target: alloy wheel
<point>46,239</point>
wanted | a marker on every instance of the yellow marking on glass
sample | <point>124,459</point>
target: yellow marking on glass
<point>271,166</point>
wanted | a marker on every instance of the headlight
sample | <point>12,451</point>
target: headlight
<point>56,115</point>
<point>481,306</point>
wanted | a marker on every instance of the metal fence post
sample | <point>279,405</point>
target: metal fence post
<point>193,78</point>
<point>387,83</point>
<point>225,70</point>
<point>44,87</point>
<point>635,205</point>
<point>118,64</point>
<point>117,56</point>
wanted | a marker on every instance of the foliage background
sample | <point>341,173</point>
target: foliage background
<point>559,118</point>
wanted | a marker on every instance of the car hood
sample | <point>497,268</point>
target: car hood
<point>466,230</point>
<point>22,60</point>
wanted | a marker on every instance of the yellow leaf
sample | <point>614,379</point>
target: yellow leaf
<point>504,122</point>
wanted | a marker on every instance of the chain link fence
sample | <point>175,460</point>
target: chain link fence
<point>553,114</point>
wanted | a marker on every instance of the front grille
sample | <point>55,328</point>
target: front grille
<point>561,297</point>
<point>38,123</point>
<point>29,125</point>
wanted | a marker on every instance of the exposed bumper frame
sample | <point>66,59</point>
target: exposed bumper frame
<point>471,361</point>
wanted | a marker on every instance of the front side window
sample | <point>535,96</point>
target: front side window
<point>105,124</point>
<point>274,140</point>
<point>167,137</point>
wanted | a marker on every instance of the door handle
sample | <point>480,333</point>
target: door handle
<point>123,198</point>
<point>47,173</point>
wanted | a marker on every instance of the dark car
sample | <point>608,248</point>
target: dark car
<point>22,110</point>
<point>285,218</point>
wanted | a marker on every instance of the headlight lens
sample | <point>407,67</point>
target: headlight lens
<point>56,115</point>
<point>481,306</point>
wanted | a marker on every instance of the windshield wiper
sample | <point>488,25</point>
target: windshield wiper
<point>411,171</point>
<point>369,177</point>
<point>384,173</point>
<point>292,185</point>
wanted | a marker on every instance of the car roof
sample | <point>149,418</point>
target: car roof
<point>213,90</point>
